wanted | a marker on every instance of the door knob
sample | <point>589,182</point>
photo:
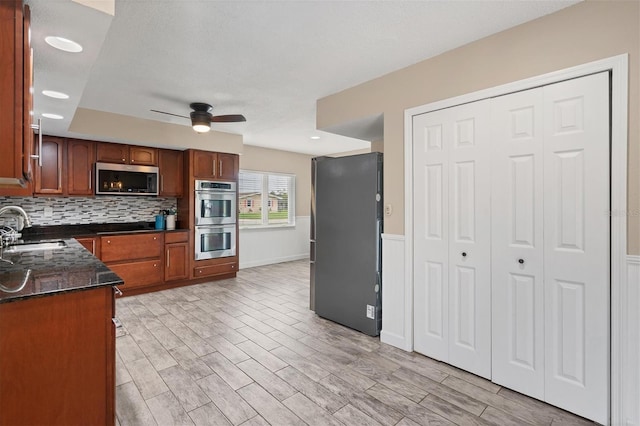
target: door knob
<point>521,261</point>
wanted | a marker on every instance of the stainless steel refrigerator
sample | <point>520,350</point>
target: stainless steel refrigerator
<point>346,246</point>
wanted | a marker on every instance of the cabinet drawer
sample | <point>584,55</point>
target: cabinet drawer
<point>176,237</point>
<point>127,247</point>
<point>138,274</point>
<point>225,268</point>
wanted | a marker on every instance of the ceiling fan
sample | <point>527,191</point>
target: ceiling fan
<point>201,117</point>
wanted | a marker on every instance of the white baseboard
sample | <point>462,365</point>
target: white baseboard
<point>271,261</point>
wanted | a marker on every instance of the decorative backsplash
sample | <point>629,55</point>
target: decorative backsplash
<point>84,210</point>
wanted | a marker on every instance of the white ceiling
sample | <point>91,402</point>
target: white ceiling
<point>269,60</point>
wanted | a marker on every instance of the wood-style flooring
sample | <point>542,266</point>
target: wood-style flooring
<point>248,351</point>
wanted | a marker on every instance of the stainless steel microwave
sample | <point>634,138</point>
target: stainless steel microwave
<point>125,179</point>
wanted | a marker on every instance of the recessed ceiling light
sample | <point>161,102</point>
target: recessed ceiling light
<point>315,137</point>
<point>63,44</point>
<point>54,94</point>
<point>52,116</point>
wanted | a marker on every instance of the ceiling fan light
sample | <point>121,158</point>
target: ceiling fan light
<point>201,128</point>
<point>201,121</point>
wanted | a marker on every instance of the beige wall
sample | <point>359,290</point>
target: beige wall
<point>271,160</point>
<point>110,127</point>
<point>576,35</point>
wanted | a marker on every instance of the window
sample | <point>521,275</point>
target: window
<point>266,199</point>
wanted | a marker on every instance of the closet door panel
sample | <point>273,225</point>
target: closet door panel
<point>517,215</point>
<point>431,272</point>
<point>577,245</point>
<point>469,239</point>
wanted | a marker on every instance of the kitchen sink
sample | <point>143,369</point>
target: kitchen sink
<point>47,245</point>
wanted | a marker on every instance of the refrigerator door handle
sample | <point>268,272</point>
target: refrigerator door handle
<point>312,251</point>
<point>379,250</point>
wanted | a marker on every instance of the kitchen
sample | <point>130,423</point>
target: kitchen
<point>122,129</point>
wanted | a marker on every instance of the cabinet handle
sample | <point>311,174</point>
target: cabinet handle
<point>155,265</point>
<point>89,178</point>
<point>161,182</point>
<point>123,160</point>
<point>155,238</point>
<point>117,291</point>
<point>108,241</point>
<point>521,261</point>
<point>168,259</point>
<point>464,254</point>
<point>213,162</point>
<point>220,162</point>
<point>38,127</point>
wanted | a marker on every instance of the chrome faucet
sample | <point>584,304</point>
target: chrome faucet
<point>9,235</point>
<point>20,211</point>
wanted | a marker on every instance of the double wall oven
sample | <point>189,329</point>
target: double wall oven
<point>215,209</point>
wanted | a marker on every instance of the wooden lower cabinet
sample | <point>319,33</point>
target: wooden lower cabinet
<point>176,255</point>
<point>217,269</point>
<point>136,258</point>
<point>138,273</point>
<point>155,260</point>
<point>58,359</point>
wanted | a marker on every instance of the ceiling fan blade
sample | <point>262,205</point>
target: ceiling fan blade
<point>168,113</point>
<point>231,118</point>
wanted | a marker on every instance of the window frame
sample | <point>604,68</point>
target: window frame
<point>264,193</point>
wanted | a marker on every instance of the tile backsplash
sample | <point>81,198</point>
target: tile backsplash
<point>84,210</point>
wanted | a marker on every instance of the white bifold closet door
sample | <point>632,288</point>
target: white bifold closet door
<point>550,244</point>
<point>452,252</point>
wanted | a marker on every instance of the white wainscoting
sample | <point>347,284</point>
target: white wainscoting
<point>630,370</point>
<point>396,295</point>
<point>264,246</point>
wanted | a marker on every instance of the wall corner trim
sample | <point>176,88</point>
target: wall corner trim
<point>397,294</point>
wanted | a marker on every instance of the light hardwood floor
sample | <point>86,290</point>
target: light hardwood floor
<point>249,351</point>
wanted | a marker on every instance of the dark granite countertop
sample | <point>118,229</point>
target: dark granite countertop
<point>47,272</point>
<point>88,230</point>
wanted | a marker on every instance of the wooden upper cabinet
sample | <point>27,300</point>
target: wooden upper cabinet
<point>170,163</point>
<point>112,153</point>
<point>15,99</point>
<point>49,176</point>
<point>81,155</point>
<point>204,164</point>
<point>212,165</point>
<point>227,166</point>
<point>143,155</point>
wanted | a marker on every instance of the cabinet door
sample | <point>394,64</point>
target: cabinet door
<point>80,159</point>
<point>227,166</point>
<point>143,155</point>
<point>176,261</point>
<point>58,351</point>
<point>27,95</point>
<point>119,248</point>
<point>204,164</point>
<point>139,273</point>
<point>112,153</point>
<point>14,154</point>
<point>49,175</point>
<point>170,163</point>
